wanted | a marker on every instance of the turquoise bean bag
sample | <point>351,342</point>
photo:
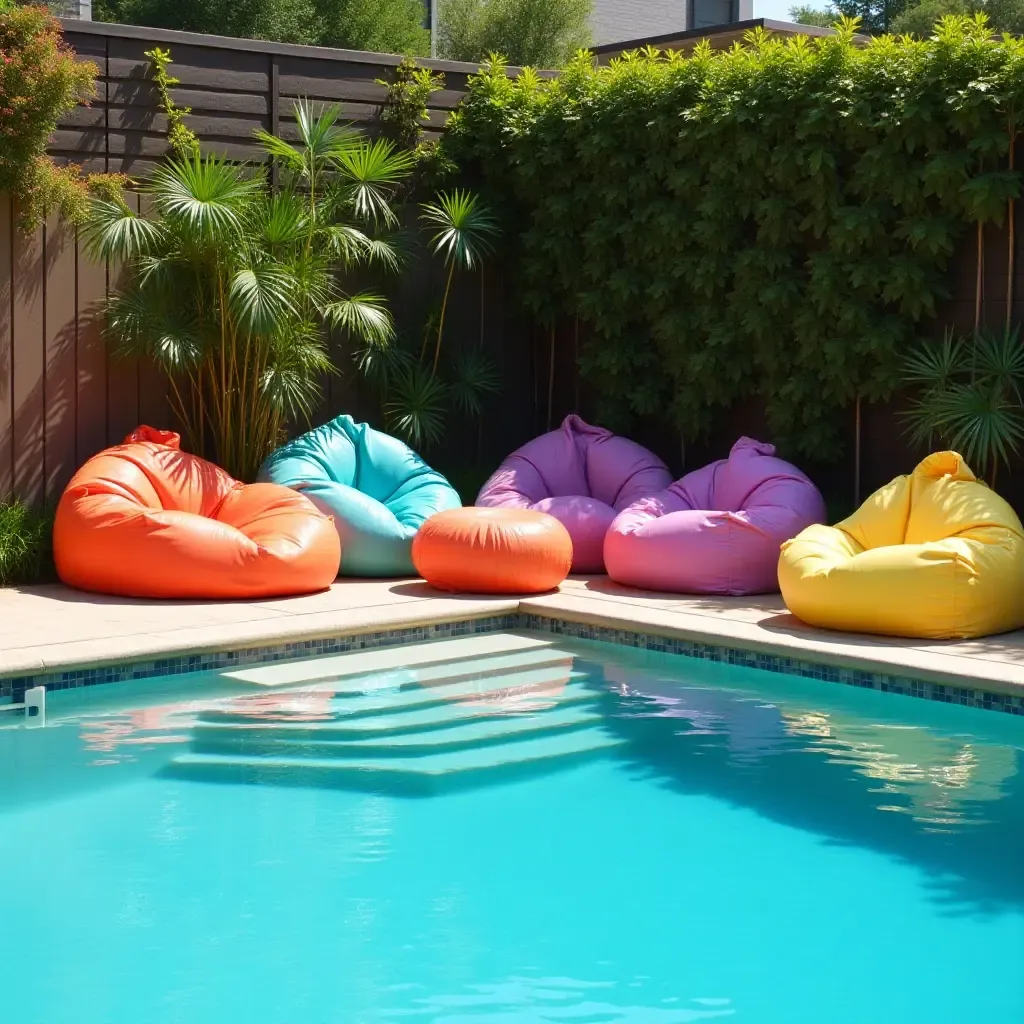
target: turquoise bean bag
<point>379,491</point>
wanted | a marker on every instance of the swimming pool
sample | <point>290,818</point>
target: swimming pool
<point>510,828</point>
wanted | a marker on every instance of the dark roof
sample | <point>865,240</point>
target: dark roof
<point>736,29</point>
<point>612,20</point>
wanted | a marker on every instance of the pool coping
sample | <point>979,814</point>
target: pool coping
<point>875,663</point>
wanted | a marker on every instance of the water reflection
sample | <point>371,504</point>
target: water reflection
<point>940,787</point>
<point>855,766</point>
<point>941,780</point>
<point>519,999</point>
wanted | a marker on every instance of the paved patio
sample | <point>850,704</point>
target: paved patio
<point>43,629</point>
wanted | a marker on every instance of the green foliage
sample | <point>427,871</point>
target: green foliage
<point>463,228</point>
<point>418,391</point>
<point>387,26</point>
<point>813,16</point>
<point>770,224</point>
<point>969,397</point>
<point>405,111</point>
<point>920,19</point>
<point>418,401</point>
<point>229,286</point>
<point>474,380</point>
<point>181,138</point>
<point>26,549</point>
<point>40,80</point>
<point>417,406</point>
<point>874,15</point>
<point>539,33</point>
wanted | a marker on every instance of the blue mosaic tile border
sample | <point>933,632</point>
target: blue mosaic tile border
<point>14,688</point>
<point>882,681</point>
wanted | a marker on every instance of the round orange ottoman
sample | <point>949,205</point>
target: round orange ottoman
<point>493,551</point>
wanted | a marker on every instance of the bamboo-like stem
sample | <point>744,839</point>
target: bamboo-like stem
<point>444,309</point>
<point>235,425</point>
<point>215,395</point>
<point>312,206</point>
<point>245,406</point>
<point>196,382</point>
<point>426,338</point>
<point>181,411</point>
<point>223,442</point>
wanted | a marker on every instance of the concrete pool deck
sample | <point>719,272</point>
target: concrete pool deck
<point>53,629</point>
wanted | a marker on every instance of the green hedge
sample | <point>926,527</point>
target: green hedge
<point>771,222</point>
<point>26,545</point>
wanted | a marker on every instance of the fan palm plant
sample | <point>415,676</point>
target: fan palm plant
<point>229,285</point>
<point>464,228</point>
<point>971,393</point>
<point>417,394</point>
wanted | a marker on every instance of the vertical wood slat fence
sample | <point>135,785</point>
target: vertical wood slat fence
<point>62,397</point>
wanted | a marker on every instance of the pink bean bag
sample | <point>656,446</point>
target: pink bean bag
<point>581,475</point>
<point>718,530</point>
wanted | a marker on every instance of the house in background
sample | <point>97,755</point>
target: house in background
<point>615,21</point>
<point>720,36</point>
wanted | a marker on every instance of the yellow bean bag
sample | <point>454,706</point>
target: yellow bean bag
<point>935,554</point>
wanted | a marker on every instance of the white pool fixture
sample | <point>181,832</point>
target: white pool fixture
<point>34,706</point>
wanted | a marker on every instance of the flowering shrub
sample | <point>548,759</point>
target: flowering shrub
<point>40,79</point>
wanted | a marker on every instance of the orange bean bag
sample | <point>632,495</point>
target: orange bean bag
<point>145,519</point>
<point>493,551</point>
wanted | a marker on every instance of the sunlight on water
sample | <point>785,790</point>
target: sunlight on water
<point>565,833</point>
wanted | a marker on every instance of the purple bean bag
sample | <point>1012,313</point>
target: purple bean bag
<point>581,475</point>
<point>718,530</point>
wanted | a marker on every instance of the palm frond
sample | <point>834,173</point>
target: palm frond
<point>984,425</point>
<point>1001,362</point>
<point>291,384</point>
<point>262,298</point>
<point>936,366</point>
<point>279,220</point>
<point>204,194</point>
<point>144,323</point>
<point>319,134</point>
<point>284,152</point>
<point>365,316</point>
<point>346,242</point>
<point>474,378</point>
<point>370,174</point>
<point>383,253</point>
<point>380,364</point>
<point>114,232</point>
<point>464,226</point>
<point>924,422</point>
<point>416,409</point>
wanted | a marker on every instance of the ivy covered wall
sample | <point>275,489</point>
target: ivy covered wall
<point>769,227</point>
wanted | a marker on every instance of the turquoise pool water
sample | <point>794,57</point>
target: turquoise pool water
<point>544,832</point>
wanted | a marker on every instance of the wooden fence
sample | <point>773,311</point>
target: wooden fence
<point>233,86</point>
<point>62,397</point>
